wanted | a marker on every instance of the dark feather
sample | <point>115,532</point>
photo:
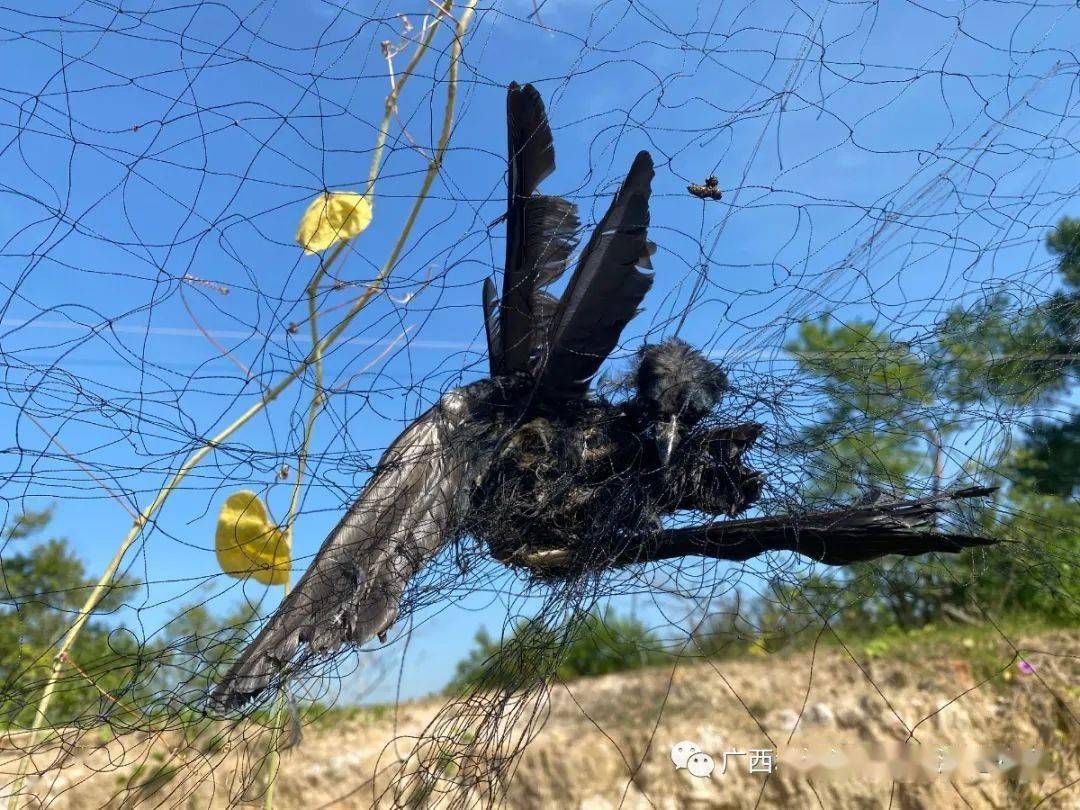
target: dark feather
<point>539,230</point>
<point>492,328</point>
<point>544,308</point>
<point>834,537</point>
<point>561,487</point>
<point>605,291</point>
<point>675,378</point>
<point>530,148</point>
<point>408,511</point>
<point>551,225</point>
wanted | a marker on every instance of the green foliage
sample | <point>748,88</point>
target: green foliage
<point>108,673</point>
<point>601,643</point>
<point>607,642</point>
<point>515,662</point>
<point>1035,571</point>
<point>993,352</point>
<point>887,410</point>
<point>194,651</point>
<point>871,389</point>
<point>1064,243</point>
<point>210,641</point>
<point>887,415</point>
<point>43,588</point>
<point>1052,463</point>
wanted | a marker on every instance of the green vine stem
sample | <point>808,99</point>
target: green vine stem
<point>313,357</point>
<point>274,760</point>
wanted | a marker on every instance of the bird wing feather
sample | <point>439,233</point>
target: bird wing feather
<point>493,328</point>
<point>539,230</point>
<point>604,292</point>
<point>408,511</point>
<point>835,537</point>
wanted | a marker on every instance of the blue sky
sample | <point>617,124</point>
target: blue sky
<point>879,160</point>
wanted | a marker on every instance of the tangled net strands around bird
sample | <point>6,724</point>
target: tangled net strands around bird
<point>871,270</point>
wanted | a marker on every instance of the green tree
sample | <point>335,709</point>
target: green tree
<point>889,414</point>
<point>600,643</point>
<point>1052,460</point>
<point>43,587</point>
<point>889,409</point>
<point>870,393</point>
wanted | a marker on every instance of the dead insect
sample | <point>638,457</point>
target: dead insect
<point>709,191</point>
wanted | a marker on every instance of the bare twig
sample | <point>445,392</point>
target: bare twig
<point>74,459</point>
<point>367,366</point>
<point>213,341</point>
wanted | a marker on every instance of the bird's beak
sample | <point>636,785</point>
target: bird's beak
<point>667,434</point>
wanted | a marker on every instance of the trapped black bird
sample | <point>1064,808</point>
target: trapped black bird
<point>552,477</point>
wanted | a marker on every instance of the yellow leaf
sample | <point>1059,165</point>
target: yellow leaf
<point>248,544</point>
<point>331,217</point>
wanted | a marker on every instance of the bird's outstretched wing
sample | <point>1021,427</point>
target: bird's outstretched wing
<point>604,293</point>
<point>834,537</point>
<point>407,512</point>
<point>540,235</point>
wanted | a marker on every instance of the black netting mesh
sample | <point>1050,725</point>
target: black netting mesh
<point>884,268</point>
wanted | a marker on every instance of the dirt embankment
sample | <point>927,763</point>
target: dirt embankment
<point>925,717</point>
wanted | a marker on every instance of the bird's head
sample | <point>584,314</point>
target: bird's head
<point>676,386</point>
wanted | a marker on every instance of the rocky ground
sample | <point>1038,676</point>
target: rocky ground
<point>854,728</point>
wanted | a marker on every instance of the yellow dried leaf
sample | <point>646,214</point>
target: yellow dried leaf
<point>248,544</point>
<point>331,217</point>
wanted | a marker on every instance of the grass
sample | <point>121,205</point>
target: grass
<point>929,640</point>
<point>321,716</point>
<point>981,645</point>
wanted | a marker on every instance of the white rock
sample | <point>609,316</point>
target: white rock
<point>819,715</point>
<point>782,719</point>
